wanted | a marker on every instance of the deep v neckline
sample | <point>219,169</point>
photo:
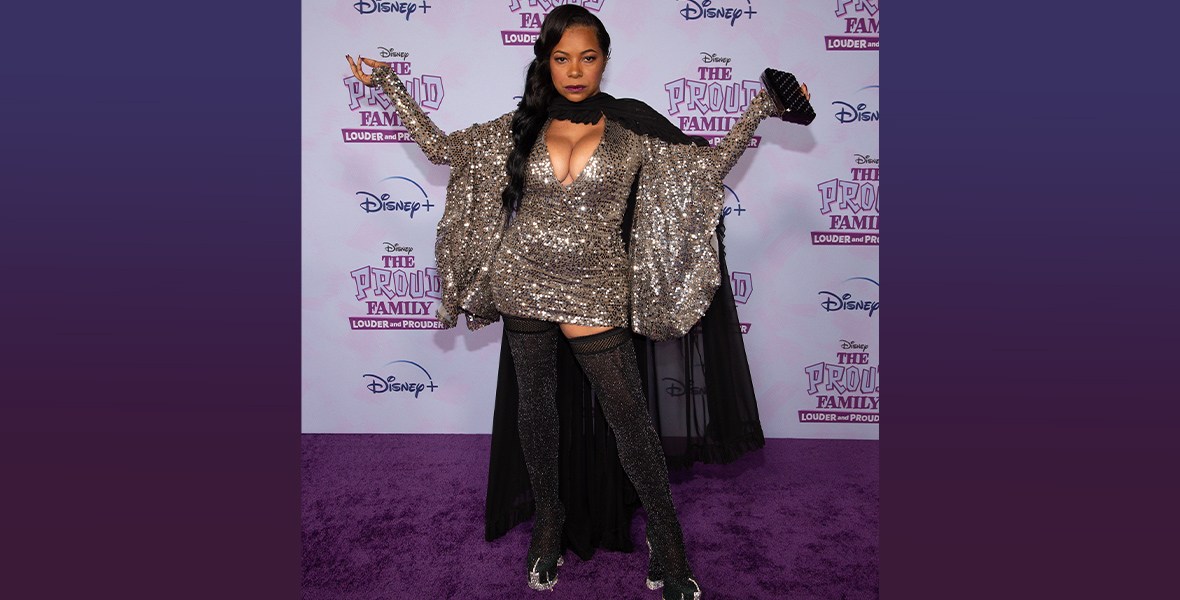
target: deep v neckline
<point>549,157</point>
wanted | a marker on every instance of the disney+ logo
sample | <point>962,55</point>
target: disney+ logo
<point>833,302</point>
<point>365,7</point>
<point>704,9</point>
<point>409,383</point>
<point>859,112</point>
<point>372,203</point>
<point>851,114</point>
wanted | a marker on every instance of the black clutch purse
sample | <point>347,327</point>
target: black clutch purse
<point>788,97</point>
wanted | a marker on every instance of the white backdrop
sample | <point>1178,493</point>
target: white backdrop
<point>803,206</point>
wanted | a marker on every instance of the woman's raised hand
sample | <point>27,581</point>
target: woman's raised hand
<point>356,68</point>
<point>806,94</point>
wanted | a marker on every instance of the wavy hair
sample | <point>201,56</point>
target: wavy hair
<point>533,110</point>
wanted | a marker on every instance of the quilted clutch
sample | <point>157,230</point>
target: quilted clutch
<point>788,97</point>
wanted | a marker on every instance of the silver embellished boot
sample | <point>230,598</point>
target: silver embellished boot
<point>608,360</point>
<point>534,352</point>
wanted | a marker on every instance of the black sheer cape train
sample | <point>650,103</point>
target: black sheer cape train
<point>702,404</point>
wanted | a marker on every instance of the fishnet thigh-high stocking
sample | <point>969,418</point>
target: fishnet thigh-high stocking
<point>608,359</point>
<point>534,352</point>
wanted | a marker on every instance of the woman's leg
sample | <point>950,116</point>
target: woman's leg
<point>608,359</point>
<point>534,352</point>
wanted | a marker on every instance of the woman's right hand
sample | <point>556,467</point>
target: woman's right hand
<point>356,68</point>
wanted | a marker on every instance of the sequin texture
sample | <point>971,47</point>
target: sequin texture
<point>473,220</point>
<point>562,257</point>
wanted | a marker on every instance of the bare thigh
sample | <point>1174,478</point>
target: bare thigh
<point>573,331</point>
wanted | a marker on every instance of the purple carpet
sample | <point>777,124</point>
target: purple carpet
<point>391,517</point>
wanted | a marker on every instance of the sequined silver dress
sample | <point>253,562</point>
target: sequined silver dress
<point>562,257</point>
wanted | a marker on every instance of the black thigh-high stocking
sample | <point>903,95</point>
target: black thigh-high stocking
<point>534,352</point>
<point>608,359</point>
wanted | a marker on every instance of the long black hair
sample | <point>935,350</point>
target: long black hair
<point>533,110</point>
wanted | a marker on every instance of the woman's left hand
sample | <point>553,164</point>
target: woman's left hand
<point>356,68</point>
<point>806,94</point>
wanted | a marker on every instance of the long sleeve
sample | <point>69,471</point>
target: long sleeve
<point>432,140</point>
<point>678,203</point>
<point>472,224</point>
<point>726,154</point>
<point>715,162</point>
<point>473,221</point>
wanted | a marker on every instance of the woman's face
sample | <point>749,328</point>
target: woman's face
<point>576,64</point>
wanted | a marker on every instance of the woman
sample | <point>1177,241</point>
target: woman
<point>533,232</point>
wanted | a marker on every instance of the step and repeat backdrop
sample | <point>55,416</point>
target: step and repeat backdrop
<point>802,207</point>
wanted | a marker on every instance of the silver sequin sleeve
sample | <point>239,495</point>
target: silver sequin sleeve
<point>674,269</point>
<point>472,224</point>
<point>430,138</point>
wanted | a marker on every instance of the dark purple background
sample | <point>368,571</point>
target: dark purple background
<point>151,301</point>
<point>1029,448</point>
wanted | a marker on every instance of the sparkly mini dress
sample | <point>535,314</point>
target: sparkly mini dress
<point>561,257</point>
